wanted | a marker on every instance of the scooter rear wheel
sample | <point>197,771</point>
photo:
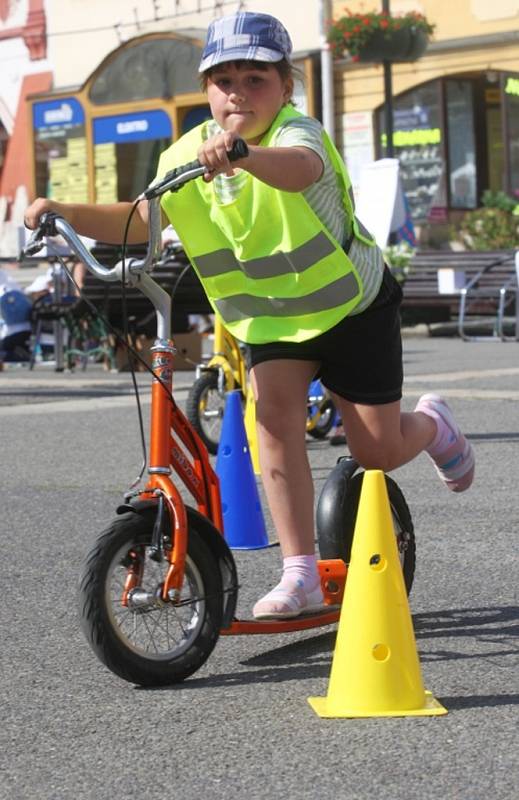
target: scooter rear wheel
<point>337,513</point>
<point>145,640</point>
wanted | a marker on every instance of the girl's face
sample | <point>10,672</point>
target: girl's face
<point>246,100</point>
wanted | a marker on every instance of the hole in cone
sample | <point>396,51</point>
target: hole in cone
<point>377,562</point>
<point>381,652</point>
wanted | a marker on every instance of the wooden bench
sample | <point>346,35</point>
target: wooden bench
<point>486,287</point>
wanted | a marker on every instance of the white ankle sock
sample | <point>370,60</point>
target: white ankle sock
<point>301,570</point>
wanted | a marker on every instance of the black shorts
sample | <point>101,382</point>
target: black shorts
<point>360,357</point>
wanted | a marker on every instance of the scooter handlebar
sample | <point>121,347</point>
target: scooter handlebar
<point>178,176</point>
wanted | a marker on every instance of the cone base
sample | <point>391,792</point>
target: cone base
<point>248,546</point>
<point>430,708</point>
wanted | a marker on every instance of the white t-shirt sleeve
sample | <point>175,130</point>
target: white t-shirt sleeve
<point>302,132</point>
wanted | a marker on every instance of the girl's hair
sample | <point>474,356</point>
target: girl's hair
<point>283,67</point>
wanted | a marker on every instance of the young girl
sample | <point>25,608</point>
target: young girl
<point>293,274</point>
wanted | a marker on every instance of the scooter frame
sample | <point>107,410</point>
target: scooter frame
<point>175,447</point>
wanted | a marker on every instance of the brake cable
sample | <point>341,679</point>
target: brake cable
<point>124,340</point>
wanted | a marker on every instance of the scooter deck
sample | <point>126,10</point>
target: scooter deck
<point>303,622</point>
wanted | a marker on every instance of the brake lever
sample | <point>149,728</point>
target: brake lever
<point>46,227</point>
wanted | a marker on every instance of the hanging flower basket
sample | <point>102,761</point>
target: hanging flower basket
<point>379,36</point>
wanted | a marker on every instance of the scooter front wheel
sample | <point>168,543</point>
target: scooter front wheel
<point>133,631</point>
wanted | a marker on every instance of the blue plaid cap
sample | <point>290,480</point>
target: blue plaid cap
<point>247,36</point>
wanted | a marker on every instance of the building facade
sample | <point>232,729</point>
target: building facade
<point>455,110</point>
<point>90,92</point>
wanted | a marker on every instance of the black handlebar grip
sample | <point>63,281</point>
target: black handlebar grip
<point>185,168</point>
<point>238,150</point>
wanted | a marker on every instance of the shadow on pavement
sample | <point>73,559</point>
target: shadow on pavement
<point>311,657</point>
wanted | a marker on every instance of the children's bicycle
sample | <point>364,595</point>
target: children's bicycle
<point>226,371</point>
<point>160,584</point>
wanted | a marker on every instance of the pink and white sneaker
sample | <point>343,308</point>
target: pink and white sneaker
<point>289,599</point>
<point>450,451</point>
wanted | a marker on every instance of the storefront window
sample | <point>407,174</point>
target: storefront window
<point>60,149</point>
<point>417,145</point>
<point>126,153</point>
<point>461,144</point>
<point>511,92</point>
<point>155,68</point>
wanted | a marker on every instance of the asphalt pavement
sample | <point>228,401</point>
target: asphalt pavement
<point>242,726</point>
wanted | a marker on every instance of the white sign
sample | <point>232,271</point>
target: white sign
<point>380,199</point>
<point>358,143</point>
<point>60,115</point>
<point>450,281</point>
<point>132,126</point>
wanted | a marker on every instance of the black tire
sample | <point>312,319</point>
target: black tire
<point>325,422</point>
<point>151,644</point>
<point>335,540</point>
<point>204,409</point>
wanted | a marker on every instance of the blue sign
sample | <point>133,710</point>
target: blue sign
<point>195,116</point>
<point>58,113</point>
<point>132,127</point>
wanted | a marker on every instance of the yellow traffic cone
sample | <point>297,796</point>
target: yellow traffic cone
<point>375,669</point>
<point>250,427</point>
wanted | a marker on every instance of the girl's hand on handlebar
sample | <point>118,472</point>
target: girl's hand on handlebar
<point>213,154</point>
<point>39,207</point>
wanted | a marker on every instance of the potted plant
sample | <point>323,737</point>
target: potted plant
<point>380,36</point>
<point>398,257</point>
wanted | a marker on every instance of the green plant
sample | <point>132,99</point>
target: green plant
<point>499,199</point>
<point>489,229</point>
<point>398,257</point>
<point>353,31</point>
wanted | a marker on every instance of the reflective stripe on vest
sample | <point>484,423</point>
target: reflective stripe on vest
<point>306,255</point>
<point>268,265</point>
<point>243,306</point>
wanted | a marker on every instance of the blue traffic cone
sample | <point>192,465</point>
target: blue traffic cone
<point>243,523</point>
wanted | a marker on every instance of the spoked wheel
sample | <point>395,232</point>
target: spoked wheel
<point>320,419</point>
<point>132,631</point>
<point>337,515</point>
<point>204,409</point>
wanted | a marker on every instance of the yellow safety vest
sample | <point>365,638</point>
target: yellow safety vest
<point>267,263</point>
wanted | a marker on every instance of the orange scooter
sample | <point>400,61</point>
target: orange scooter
<point>160,584</point>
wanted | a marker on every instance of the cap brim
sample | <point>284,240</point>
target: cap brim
<point>265,55</point>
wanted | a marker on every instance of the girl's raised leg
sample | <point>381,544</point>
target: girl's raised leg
<point>382,437</point>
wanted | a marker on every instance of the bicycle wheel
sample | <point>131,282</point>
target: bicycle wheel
<point>323,426</point>
<point>204,409</point>
<point>147,641</point>
<point>337,514</point>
